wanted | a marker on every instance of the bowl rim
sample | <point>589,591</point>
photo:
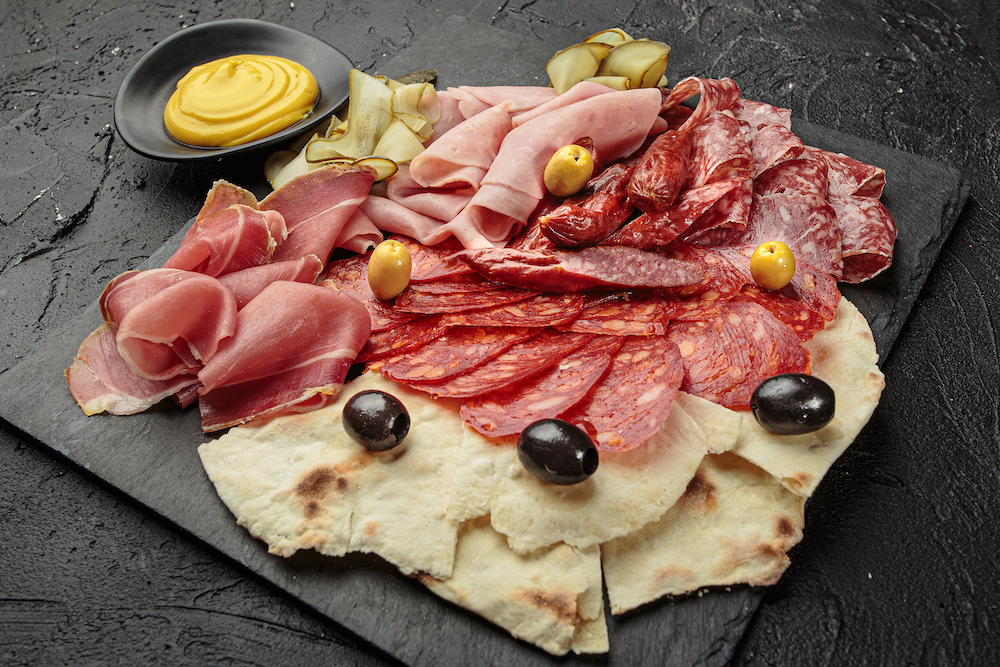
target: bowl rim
<point>138,116</point>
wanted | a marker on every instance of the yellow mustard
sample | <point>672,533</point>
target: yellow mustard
<point>239,99</point>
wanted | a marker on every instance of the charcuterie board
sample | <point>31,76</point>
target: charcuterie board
<point>152,457</point>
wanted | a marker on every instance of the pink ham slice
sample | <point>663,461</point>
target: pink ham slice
<point>293,347</point>
<point>232,239</point>
<point>101,381</point>
<point>618,122</point>
<point>248,283</point>
<point>316,206</point>
<point>440,203</point>
<point>476,99</point>
<point>170,322</point>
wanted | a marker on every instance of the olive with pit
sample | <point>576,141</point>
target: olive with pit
<point>377,420</point>
<point>568,170</point>
<point>389,269</point>
<point>772,265</point>
<point>557,452</point>
<point>793,403</point>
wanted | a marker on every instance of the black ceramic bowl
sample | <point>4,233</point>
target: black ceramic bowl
<point>143,94</point>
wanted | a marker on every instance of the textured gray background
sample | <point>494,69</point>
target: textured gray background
<point>898,563</point>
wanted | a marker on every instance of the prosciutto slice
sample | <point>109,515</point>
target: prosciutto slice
<point>223,195</point>
<point>248,283</point>
<point>293,347</point>
<point>232,239</point>
<point>101,381</point>
<point>316,206</point>
<point>618,122</point>
<point>170,322</point>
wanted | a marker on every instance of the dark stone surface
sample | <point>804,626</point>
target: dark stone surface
<point>898,562</point>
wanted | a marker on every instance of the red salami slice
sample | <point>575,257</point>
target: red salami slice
<point>518,362</point>
<point>631,401</point>
<point>726,218</point>
<point>726,357</point>
<point>457,351</point>
<point>401,339</point>
<point>868,236</point>
<point>760,114</point>
<point>460,283</point>
<point>541,310</point>
<point>721,149</point>
<point>807,223</point>
<point>544,395</point>
<point>413,301</point>
<point>622,314</point>
<point>773,144</point>
<point>350,276</point>
<point>722,267</point>
<point>432,262</point>
<point>804,176</point>
<point>606,268</point>
<point>849,176</point>
<point>716,94</point>
<point>806,304</point>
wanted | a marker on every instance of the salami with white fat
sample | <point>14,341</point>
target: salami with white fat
<point>868,236</point>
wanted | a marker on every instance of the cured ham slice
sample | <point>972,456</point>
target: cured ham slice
<point>101,381</point>
<point>170,322</point>
<point>617,122</point>
<point>232,239</point>
<point>476,99</point>
<point>316,206</point>
<point>293,347</point>
<point>396,218</point>
<point>359,234</point>
<point>248,283</point>
<point>464,154</point>
<point>440,203</point>
<point>579,92</point>
<point>223,195</point>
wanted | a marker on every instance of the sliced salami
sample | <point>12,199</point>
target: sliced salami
<point>868,235</point>
<point>432,262</point>
<point>350,275</point>
<point>460,283</point>
<point>721,149</point>
<point>715,95</point>
<point>403,338</point>
<point>726,218</point>
<point>806,223</point>
<point>849,176</point>
<point>544,395</point>
<point>457,351</point>
<point>803,176</point>
<point>760,114</point>
<point>806,304</point>
<point>773,144</point>
<point>541,310</point>
<point>519,361</point>
<point>622,314</point>
<point>727,356</point>
<point>634,397</point>
<point>429,303</point>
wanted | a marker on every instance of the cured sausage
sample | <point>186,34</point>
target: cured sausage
<point>576,225</point>
<point>662,172</point>
<point>403,338</point>
<point>621,314</point>
<point>727,356</point>
<point>427,303</point>
<point>635,396</point>
<point>518,362</point>
<point>538,311</point>
<point>868,236</point>
<point>544,395</point>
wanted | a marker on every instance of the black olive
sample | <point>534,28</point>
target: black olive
<point>557,452</point>
<point>376,419</point>
<point>793,403</point>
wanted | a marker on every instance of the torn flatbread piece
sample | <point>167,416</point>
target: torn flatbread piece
<point>734,524</point>
<point>300,482</point>
<point>843,355</point>
<point>551,598</point>
<point>630,488</point>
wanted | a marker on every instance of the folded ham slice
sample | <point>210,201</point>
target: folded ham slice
<point>618,123</point>
<point>316,206</point>
<point>231,239</point>
<point>293,347</point>
<point>170,322</point>
<point>248,283</point>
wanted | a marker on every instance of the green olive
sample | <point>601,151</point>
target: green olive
<point>772,265</point>
<point>568,170</point>
<point>389,269</point>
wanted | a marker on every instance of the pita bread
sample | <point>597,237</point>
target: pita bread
<point>843,355</point>
<point>734,524</point>
<point>300,482</point>
<point>551,598</point>
<point>629,489</point>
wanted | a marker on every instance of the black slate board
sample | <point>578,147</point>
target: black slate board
<point>152,457</point>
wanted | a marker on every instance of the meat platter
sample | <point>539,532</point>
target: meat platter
<point>160,468</point>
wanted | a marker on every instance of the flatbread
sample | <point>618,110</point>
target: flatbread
<point>300,482</point>
<point>734,525</point>
<point>843,355</point>
<point>629,489</point>
<point>551,598</point>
